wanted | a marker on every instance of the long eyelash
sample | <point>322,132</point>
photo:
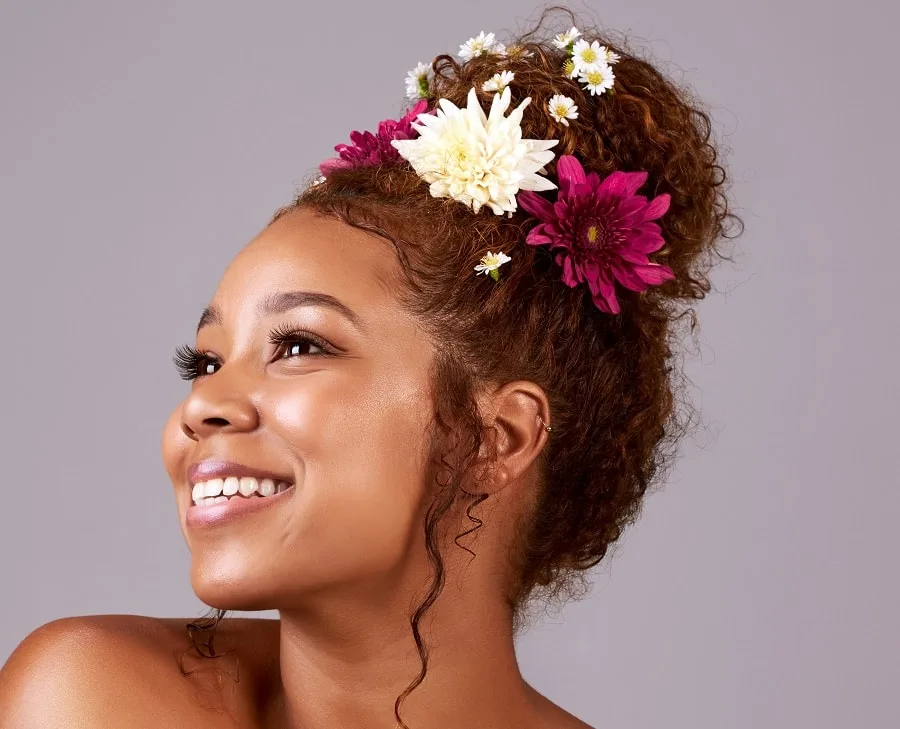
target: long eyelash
<point>288,334</point>
<point>188,359</point>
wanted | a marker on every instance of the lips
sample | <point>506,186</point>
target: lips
<point>213,468</point>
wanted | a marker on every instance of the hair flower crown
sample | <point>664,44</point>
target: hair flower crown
<point>600,232</point>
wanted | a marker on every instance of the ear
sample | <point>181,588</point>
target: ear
<point>513,414</point>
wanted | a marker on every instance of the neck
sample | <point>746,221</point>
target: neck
<point>342,667</point>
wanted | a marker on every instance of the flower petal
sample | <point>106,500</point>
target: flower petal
<point>330,165</point>
<point>626,275</point>
<point>538,237</point>
<point>646,240</point>
<point>571,274</point>
<point>613,184</point>
<point>634,181</point>
<point>658,206</point>
<point>538,206</point>
<point>655,273</point>
<point>632,256</point>
<point>603,293</point>
<point>570,173</point>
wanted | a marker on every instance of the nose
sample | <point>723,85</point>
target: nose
<point>213,407</point>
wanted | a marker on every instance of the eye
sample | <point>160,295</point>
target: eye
<point>191,363</point>
<point>294,342</point>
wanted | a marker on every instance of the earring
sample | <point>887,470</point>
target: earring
<point>546,427</point>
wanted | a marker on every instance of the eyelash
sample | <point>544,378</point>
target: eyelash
<point>189,359</point>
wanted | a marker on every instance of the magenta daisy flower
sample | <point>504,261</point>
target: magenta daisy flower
<point>601,232</point>
<point>369,149</point>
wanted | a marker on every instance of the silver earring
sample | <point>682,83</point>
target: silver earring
<point>546,427</point>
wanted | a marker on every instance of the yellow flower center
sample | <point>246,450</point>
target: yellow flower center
<point>594,77</point>
<point>589,55</point>
<point>593,234</point>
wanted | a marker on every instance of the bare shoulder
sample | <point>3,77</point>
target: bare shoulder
<point>132,670</point>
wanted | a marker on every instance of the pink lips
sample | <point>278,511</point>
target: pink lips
<point>205,470</point>
<point>236,506</point>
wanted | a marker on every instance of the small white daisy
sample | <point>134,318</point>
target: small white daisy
<point>490,262</point>
<point>588,54</point>
<point>564,40</point>
<point>571,69</point>
<point>477,45</point>
<point>417,82</point>
<point>518,51</point>
<point>597,78</point>
<point>498,49</point>
<point>498,81</point>
<point>562,108</point>
<point>611,56</point>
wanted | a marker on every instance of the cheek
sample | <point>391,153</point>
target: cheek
<point>362,451</point>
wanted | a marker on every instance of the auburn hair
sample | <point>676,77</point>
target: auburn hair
<point>613,381</point>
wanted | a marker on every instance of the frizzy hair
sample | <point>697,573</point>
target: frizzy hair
<point>613,382</point>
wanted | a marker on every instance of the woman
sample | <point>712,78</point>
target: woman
<point>430,393</point>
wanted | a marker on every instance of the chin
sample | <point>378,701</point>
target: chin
<point>231,596</point>
<point>235,588</point>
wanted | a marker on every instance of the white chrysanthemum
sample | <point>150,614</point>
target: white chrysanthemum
<point>417,82</point>
<point>562,108</point>
<point>477,159</point>
<point>498,81</point>
<point>597,78</point>
<point>564,40</point>
<point>498,49</point>
<point>477,45</point>
<point>490,262</point>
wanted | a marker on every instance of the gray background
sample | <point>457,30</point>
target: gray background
<point>143,143</point>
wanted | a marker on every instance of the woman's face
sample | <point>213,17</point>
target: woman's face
<point>343,419</point>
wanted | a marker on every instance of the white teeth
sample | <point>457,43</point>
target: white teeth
<point>266,487</point>
<point>218,491</point>
<point>213,487</point>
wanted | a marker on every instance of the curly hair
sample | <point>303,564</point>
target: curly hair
<point>613,382</point>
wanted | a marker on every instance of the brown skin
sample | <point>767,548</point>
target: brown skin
<point>342,560</point>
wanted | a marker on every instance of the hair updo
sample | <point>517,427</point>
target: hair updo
<point>612,380</point>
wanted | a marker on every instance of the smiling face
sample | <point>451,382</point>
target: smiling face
<point>344,417</point>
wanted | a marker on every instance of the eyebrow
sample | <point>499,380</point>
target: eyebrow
<point>285,301</point>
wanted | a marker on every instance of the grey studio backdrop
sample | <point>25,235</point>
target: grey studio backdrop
<point>144,143</point>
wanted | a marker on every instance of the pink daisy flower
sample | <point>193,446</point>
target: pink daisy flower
<point>368,150</point>
<point>601,231</point>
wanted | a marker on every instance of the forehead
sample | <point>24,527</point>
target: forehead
<point>306,251</point>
